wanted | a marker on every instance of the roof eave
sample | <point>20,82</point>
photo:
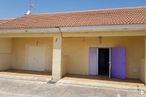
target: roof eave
<point>77,29</point>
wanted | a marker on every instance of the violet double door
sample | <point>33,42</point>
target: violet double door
<point>117,62</point>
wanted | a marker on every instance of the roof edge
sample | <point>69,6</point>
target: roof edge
<point>77,29</point>
<point>106,9</point>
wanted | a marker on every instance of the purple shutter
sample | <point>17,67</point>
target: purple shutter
<point>118,63</point>
<point>93,61</point>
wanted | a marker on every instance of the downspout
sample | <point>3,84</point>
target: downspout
<point>60,31</point>
<point>61,34</point>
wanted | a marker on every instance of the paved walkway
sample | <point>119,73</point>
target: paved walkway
<point>129,84</point>
<point>22,88</point>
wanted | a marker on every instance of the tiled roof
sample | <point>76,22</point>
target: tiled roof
<point>4,20</point>
<point>119,16</point>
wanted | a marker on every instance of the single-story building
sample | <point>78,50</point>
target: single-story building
<point>110,42</point>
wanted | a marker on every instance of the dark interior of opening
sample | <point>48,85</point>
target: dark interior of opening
<point>103,59</point>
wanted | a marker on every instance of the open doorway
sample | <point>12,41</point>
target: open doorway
<point>100,61</point>
<point>103,61</point>
<point>109,62</point>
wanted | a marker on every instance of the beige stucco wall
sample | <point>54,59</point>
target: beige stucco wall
<point>63,62</point>
<point>5,53</point>
<point>20,56</point>
<point>142,70</point>
<point>76,52</point>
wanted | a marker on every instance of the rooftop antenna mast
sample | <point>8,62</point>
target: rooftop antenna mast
<point>31,6</point>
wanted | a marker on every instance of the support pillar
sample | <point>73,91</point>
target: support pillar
<point>57,58</point>
<point>145,62</point>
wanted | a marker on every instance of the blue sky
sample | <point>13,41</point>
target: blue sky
<point>16,8</point>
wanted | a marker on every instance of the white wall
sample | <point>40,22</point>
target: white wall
<point>20,53</point>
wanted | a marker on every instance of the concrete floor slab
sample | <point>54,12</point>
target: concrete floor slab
<point>26,75</point>
<point>103,82</point>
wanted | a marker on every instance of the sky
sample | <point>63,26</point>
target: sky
<point>17,8</point>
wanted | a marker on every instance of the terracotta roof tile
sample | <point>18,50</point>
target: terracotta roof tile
<point>121,16</point>
<point>4,20</point>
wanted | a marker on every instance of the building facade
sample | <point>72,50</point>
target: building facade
<point>108,43</point>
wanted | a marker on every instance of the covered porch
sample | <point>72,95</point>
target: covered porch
<point>76,55</point>
<point>28,58</point>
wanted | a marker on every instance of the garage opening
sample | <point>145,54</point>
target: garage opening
<point>103,61</point>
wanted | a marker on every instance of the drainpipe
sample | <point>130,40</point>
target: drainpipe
<point>61,34</point>
<point>60,31</point>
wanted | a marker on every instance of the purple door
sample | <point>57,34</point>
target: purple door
<point>93,61</point>
<point>118,69</point>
